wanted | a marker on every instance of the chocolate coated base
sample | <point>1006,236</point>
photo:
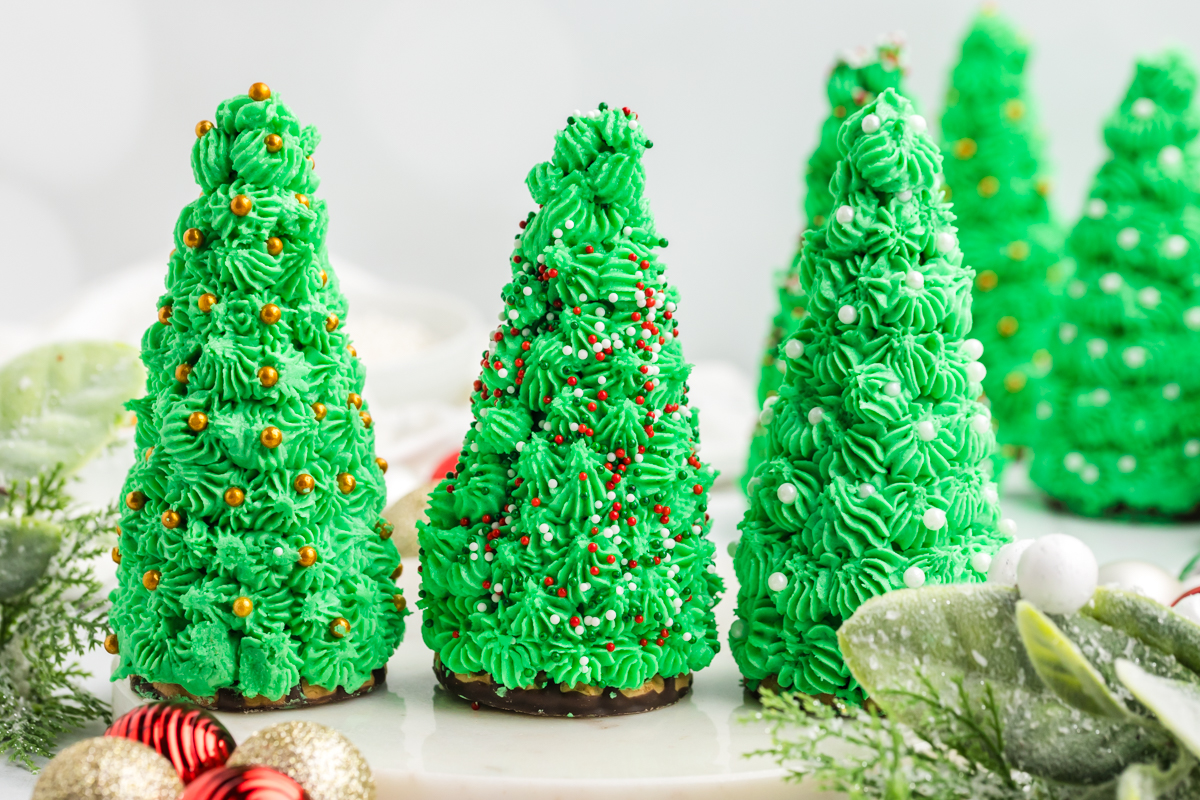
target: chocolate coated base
<point>558,700</point>
<point>302,695</point>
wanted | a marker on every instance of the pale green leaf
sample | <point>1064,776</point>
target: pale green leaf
<point>60,404</point>
<point>1063,668</point>
<point>26,547</point>
<point>1149,622</point>
<point>1175,703</point>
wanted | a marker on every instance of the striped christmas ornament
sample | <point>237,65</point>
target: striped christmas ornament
<point>244,783</point>
<point>189,737</point>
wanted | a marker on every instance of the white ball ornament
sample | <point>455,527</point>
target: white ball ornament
<point>972,349</point>
<point>777,582</point>
<point>787,493</point>
<point>1003,569</point>
<point>1057,574</point>
<point>914,577</point>
<point>1142,577</point>
<point>870,123</point>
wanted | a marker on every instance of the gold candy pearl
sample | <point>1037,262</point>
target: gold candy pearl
<point>274,246</point>
<point>1014,382</point>
<point>365,416</point>
<point>234,496</point>
<point>203,127</point>
<point>304,483</point>
<point>171,519</point>
<point>988,186</point>
<point>151,579</point>
<point>271,437</point>
<point>324,277</point>
<point>164,314</point>
<point>319,411</point>
<point>183,372</point>
<point>382,464</point>
<point>268,376</point>
<point>308,556</point>
<point>350,349</point>
<point>1007,326</point>
<point>302,200</point>
<point>346,482</point>
<point>111,645</point>
<point>270,314</point>
<point>339,627</point>
<point>398,571</point>
<point>241,205</point>
<point>197,421</point>
<point>399,602</point>
<point>385,529</point>
<point>965,149</point>
<point>1014,109</point>
<point>260,91</point>
<point>987,280</point>
<point>243,606</point>
<point>274,142</point>
<point>193,238</point>
<point>206,302</point>
<point>331,323</point>
<point>354,400</point>
<point>1042,187</point>
<point>116,555</point>
<point>149,452</point>
<point>1018,250</point>
<point>135,500</point>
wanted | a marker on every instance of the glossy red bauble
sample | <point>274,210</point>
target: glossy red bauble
<point>244,783</point>
<point>189,737</point>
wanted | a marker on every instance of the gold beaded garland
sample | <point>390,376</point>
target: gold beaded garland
<point>111,645</point>
<point>151,579</point>
<point>270,314</point>
<point>346,482</point>
<point>243,606</point>
<point>304,483</point>
<point>193,238</point>
<point>308,556</point>
<point>241,205</point>
<point>274,246</point>
<point>203,127</point>
<point>197,421</point>
<point>135,500</point>
<point>274,142</point>
<point>339,627</point>
<point>234,496</point>
<point>268,376</point>
<point>260,91</point>
<point>271,437</point>
<point>206,302</point>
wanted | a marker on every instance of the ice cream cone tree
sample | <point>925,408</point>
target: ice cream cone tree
<point>1123,435</point>
<point>873,478</point>
<point>856,78</point>
<point>569,545</point>
<point>995,178</point>
<point>253,560</point>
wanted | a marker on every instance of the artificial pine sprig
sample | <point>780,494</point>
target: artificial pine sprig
<point>44,629</point>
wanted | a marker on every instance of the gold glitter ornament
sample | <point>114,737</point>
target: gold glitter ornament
<point>108,768</point>
<point>320,759</point>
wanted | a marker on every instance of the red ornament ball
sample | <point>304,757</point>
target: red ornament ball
<point>189,737</point>
<point>244,783</point>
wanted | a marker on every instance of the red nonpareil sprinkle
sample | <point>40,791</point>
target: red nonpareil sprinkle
<point>698,489</point>
<point>640,285</point>
<point>639,400</point>
<point>454,634</point>
<point>611,558</point>
<point>450,489</point>
<point>626,110</point>
<point>638,619</point>
<point>679,538</point>
<point>574,622</point>
<point>642,448</point>
<point>649,387</point>
<point>642,642</point>
<point>594,570</point>
<point>499,337</point>
<point>632,257</point>
<point>562,592</point>
<point>633,564</point>
<point>614,515</point>
<point>645,264</point>
<point>477,385</point>
<point>665,632</point>
<point>591,406</point>
<point>487,518</point>
<point>522,224</point>
<point>667,315</point>
<point>601,395</point>
<point>571,381</point>
<point>631,521</point>
<point>525,540</point>
<point>535,502</point>
<point>600,356</point>
<point>576,310</point>
<point>583,476</point>
<point>589,249</point>
<point>595,530</point>
<point>553,273</point>
<point>496,393</point>
<point>593,547</point>
<point>549,581</point>
<point>657,560</point>
<point>464,522</point>
<point>620,453</point>
<point>558,439</point>
<point>675,332</point>
<point>636,316</point>
<point>660,642</point>
<point>487,584</point>
<point>546,399</point>
<point>516,259</point>
<point>474,706</point>
<point>524,346</point>
<point>616,478</point>
<point>664,519</point>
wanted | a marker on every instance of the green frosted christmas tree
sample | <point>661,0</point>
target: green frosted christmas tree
<point>856,78</point>
<point>994,177</point>
<point>565,565</point>
<point>874,476</point>
<point>1124,433</point>
<point>255,568</point>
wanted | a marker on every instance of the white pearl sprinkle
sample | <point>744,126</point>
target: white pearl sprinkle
<point>1110,282</point>
<point>1096,208</point>
<point>815,415</point>
<point>972,349</point>
<point>610,615</point>
<point>1175,247</point>
<point>1067,332</point>
<point>870,123</point>
<point>946,242</point>
<point>555,619</point>
<point>1170,157</point>
<point>1097,348</point>
<point>583,661</point>
<point>844,214</point>
<point>777,582</point>
<point>278,551</point>
<point>1134,357</point>
<point>981,562</point>
<point>926,431</point>
<point>569,224</point>
<point>1171,391</point>
<point>1073,462</point>
<point>980,424</point>
<point>847,314</point>
<point>914,280</point>
<point>1127,463</point>
<point>976,372</point>
<point>1149,297</point>
<point>1128,238</point>
<point>794,348</point>
<point>481,607</point>
<point>626,230</point>
<point>892,388</point>
<point>1142,108</point>
<point>914,577</point>
<point>934,518</point>
<point>865,490</point>
<point>918,123</point>
<point>904,196</point>
<point>787,493</point>
<point>1192,448</point>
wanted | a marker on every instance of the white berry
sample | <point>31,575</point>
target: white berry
<point>1057,574</point>
<point>1003,569</point>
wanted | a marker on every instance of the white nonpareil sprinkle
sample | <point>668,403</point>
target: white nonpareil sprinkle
<point>914,577</point>
<point>794,348</point>
<point>569,224</point>
<point>945,242</point>
<point>892,388</point>
<point>1096,208</point>
<point>914,280</point>
<point>481,607</point>
<point>1142,108</point>
<point>926,431</point>
<point>1110,282</point>
<point>972,349</point>
<point>815,415</point>
<point>610,615</point>
<point>583,661</point>
<point>976,372</point>
<point>1128,238</point>
<point>787,493</point>
<point>980,424</point>
<point>847,314</point>
<point>278,551</point>
<point>844,214</point>
<point>934,518</point>
<point>918,123</point>
<point>904,196</point>
<point>870,123</point>
<point>777,582</point>
<point>981,562</point>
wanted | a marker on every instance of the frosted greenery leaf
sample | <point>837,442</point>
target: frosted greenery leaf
<point>1148,782</point>
<point>26,547</point>
<point>969,632</point>
<point>60,404</point>
<point>1063,668</point>
<point>1149,622</point>
<point>1175,703</point>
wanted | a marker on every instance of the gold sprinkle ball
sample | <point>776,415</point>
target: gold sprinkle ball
<point>304,483</point>
<point>1007,326</point>
<point>108,768</point>
<point>988,186</point>
<point>183,372</point>
<point>149,452</point>
<point>382,464</point>
<point>353,399</point>
<point>331,323</point>
<point>116,555</point>
<point>193,238</point>
<point>268,376</point>
<point>271,437</point>
<point>111,645</point>
<point>319,410</point>
<point>274,246</point>
<point>308,556</point>
<point>339,627</point>
<point>398,571</point>
<point>206,302</point>
<point>241,205</point>
<point>317,757</point>
<point>302,199</point>
<point>203,127</point>
<point>366,418</point>
<point>270,314</point>
<point>243,606</point>
<point>399,602</point>
<point>135,500</point>
<point>965,148</point>
<point>1014,381</point>
<point>171,519</point>
<point>350,349</point>
<point>346,482</point>
<point>164,314</point>
<point>260,91</point>
<point>234,496</point>
<point>274,142</point>
<point>151,579</point>
<point>987,280</point>
<point>197,421</point>
<point>324,277</point>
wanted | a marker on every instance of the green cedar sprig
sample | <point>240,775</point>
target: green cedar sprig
<point>45,629</point>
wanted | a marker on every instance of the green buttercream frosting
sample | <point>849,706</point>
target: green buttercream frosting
<point>874,469</point>
<point>1124,432</point>
<point>571,539</point>
<point>856,78</point>
<point>200,437</point>
<point>995,177</point>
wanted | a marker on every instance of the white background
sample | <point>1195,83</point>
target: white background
<point>432,114</point>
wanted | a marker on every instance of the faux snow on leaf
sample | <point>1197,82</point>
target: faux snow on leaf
<point>60,404</point>
<point>1149,622</point>
<point>1175,703</point>
<point>943,633</point>
<point>26,547</point>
